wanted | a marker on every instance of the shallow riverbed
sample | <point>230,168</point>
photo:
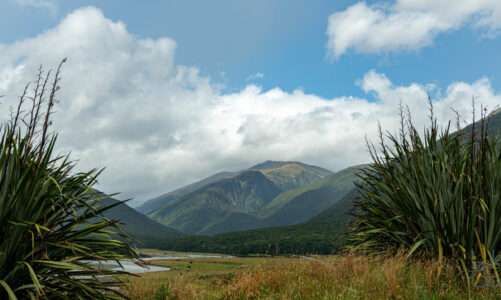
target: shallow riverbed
<point>131,267</point>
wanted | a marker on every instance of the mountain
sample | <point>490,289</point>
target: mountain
<point>300,204</point>
<point>332,198</point>
<point>254,199</point>
<point>171,197</point>
<point>144,231</point>
<point>241,195</point>
<point>295,206</point>
<point>494,125</point>
<point>288,175</point>
<point>322,234</point>
<point>231,201</point>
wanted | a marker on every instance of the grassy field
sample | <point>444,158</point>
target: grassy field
<point>334,277</point>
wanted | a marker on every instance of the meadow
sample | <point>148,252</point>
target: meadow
<point>315,277</point>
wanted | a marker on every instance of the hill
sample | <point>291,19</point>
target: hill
<point>144,231</point>
<point>494,125</point>
<point>198,211</point>
<point>299,205</point>
<point>231,201</point>
<point>323,234</point>
<point>290,174</point>
<point>331,197</point>
<point>171,197</point>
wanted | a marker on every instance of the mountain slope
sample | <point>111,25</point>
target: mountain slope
<point>230,201</point>
<point>323,234</point>
<point>312,199</point>
<point>286,175</point>
<point>171,197</point>
<point>197,212</point>
<point>291,174</point>
<point>302,204</point>
<point>143,230</point>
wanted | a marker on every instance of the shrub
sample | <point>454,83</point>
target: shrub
<point>163,292</point>
<point>436,196</point>
<point>50,215</point>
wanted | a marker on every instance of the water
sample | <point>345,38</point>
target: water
<point>187,256</point>
<point>131,267</point>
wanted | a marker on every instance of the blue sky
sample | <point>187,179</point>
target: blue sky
<point>168,92</point>
<point>284,40</point>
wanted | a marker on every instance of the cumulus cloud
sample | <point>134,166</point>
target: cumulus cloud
<point>126,105</point>
<point>406,24</point>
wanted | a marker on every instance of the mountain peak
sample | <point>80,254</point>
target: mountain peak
<point>496,112</point>
<point>273,164</point>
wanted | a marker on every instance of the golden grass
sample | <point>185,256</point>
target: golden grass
<point>341,277</point>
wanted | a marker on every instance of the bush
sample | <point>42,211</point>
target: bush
<point>435,196</point>
<point>163,292</point>
<point>50,217</point>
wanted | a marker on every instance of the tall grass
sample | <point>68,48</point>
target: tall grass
<point>342,277</point>
<point>435,195</point>
<point>50,215</point>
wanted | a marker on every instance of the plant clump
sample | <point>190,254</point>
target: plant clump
<point>51,227</point>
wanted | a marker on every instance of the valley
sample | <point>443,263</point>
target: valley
<point>271,208</point>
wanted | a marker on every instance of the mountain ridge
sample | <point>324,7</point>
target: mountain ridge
<point>143,231</point>
<point>233,200</point>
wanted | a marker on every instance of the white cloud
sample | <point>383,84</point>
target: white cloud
<point>406,24</point>
<point>127,105</point>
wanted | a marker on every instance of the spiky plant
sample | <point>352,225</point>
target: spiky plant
<point>50,216</point>
<point>436,195</point>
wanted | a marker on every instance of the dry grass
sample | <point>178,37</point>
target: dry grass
<point>344,277</point>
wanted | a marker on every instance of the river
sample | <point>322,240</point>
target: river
<point>131,267</point>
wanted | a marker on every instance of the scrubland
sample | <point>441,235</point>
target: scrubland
<point>322,277</point>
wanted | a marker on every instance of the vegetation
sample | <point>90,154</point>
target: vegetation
<point>252,199</point>
<point>144,232</point>
<point>50,223</point>
<point>336,277</point>
<point>340,183</point>
<point>323,234</point>
<point>200,211</point>
<point>240,201</point>
<point>288,175</point>
<point>435,196</point>
<point>173,197</point>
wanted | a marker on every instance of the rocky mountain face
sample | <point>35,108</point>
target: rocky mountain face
<point>268,194</point>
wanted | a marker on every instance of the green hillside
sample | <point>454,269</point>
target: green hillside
<point>197,212</point>
<point>172,197</point>
<point>290,175</point>
<point>309,200</point>
<point>144,231</point>
<point>321,207</point>
<point>323,234</point>
<point>494,124</point>
<point>232,201</point>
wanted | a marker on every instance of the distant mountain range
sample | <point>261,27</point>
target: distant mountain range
<point>144,231</point>
<point>172,197</point>
<point>322,234</point>
<point>273,207</point>
<point>269,194</point>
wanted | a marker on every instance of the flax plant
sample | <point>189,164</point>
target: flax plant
<point>51,227</point>
<point>435,196</point>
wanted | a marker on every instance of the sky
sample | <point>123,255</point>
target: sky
<point>168,92</point>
